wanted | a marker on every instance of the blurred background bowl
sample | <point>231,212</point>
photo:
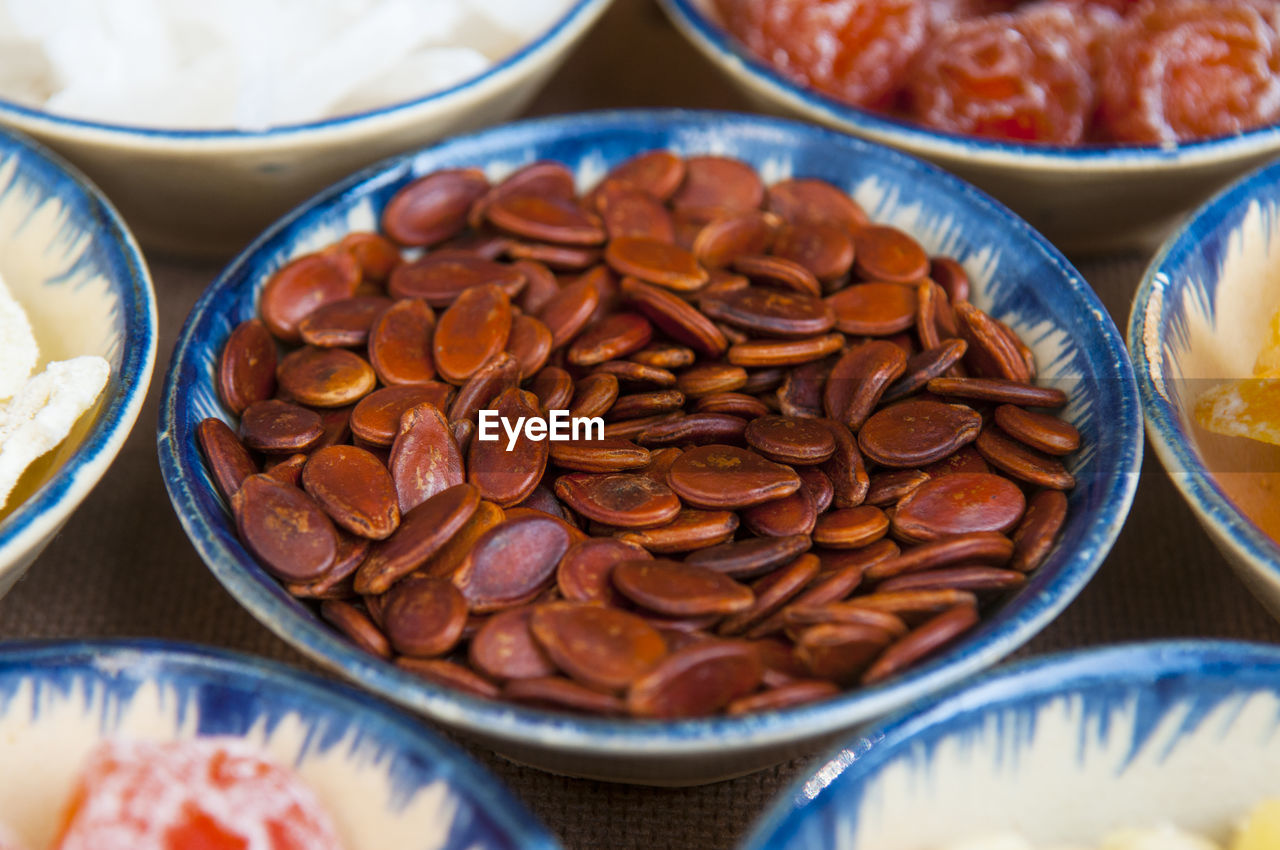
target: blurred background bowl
<point>1016,275</point>
<point>207,192</point>
<point>73,266</point>
<point>1201,315</point>
<point>1091,199</point>
<point>386,781</point>
<point>1061,749</point>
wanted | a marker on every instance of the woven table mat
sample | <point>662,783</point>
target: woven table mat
<point>123,567</point>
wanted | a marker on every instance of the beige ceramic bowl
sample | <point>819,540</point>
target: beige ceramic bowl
<point>69,261</point>
<point>1092,199</point>
<point>208,192</point>
<point>1201,316</point>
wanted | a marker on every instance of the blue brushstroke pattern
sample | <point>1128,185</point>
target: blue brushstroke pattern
<point>230,695</point>
<point>995,718</point>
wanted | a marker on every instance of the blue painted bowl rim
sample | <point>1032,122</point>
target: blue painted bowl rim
<point>633,737</point>
<point>264,676</point>
<point>859,758</point>
<point>1164,424</point>
<point>131,282</point>
<point>716,42</point>
<point>582,12</point>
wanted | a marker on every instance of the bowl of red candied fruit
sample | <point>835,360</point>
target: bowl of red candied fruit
<point>145,745</point>
<point>861,432</point>
<point>1099,121</point>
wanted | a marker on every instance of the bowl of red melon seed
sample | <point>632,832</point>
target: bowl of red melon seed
<point>1101,122</point>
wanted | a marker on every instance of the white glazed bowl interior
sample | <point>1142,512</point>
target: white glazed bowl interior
<point>69,261</point>
<point>1061,749</point>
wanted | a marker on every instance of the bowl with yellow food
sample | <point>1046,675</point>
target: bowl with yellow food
<point>1204,336</point>
<point>1157,746</point>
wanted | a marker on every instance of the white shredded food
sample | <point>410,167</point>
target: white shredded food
<point>37,413</point>
<point>250,64</point>
<point>18,349</point>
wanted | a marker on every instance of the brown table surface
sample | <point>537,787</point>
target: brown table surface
<point>123,567</point>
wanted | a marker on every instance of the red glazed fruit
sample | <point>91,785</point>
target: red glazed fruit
<point>182,795</point>
<point>1183,69</point>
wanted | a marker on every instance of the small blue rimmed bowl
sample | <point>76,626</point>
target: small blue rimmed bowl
<point>1016,274</point>
<point>1061,749</point>
<point>1086,199</point>
<point>208,192</point>
<point>1201,315</point>
<point>71,263</point>
<point>386,781</point>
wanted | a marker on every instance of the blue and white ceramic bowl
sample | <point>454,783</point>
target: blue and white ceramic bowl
<point>1061,749</point>
<point>1093,199</point>
<point>1201,315</point>
<point>75,269</point>
<point>1016,274</point>
<point>387,782</point>
<point>208,192</point>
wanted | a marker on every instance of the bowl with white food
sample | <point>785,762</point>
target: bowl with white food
<point>203,125</point>
<point>77,345</point>
<point>1157,746</point>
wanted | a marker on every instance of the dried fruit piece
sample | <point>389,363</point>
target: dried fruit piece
<point>217,793</point>
<point>1186,69</point>
<point>1249,407</point>
<point>856,50</point>
<point>1003,77</point>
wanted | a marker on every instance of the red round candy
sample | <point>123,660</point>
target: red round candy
<point>856,50</point>
<point>179,795</point>
<point>1006,77</point>
<point>1185,69</point>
